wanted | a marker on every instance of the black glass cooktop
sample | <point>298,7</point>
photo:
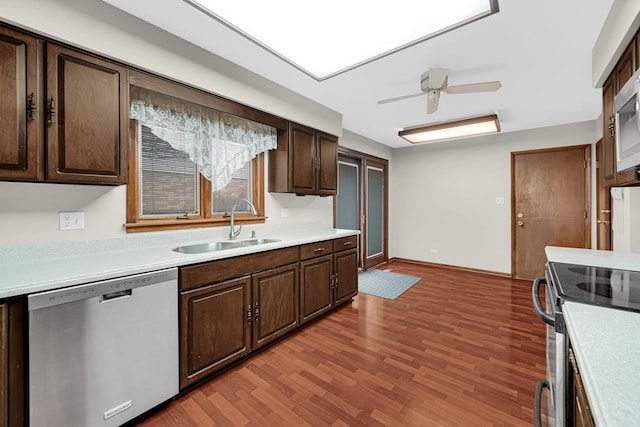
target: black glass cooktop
<point>597,285</point>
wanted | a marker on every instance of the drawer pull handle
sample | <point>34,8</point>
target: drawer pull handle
<point>348,243</point>
<point>316,250</point>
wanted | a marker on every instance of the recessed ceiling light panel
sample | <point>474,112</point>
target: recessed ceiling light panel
<point>326,38</point>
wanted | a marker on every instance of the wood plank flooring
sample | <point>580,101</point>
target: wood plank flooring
<point>457,349</point>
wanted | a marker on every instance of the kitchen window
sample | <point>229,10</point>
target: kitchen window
<point>167,188</point>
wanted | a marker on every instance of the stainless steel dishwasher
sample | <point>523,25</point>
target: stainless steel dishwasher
<point>103,353</point>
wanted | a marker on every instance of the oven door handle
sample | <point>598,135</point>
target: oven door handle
<point>537,406</point>
<point>537,305</point>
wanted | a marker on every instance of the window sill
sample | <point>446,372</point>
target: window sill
<point>178,224</point>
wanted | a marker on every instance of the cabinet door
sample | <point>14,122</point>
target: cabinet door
<point>86,119</point>
<point>328,165</point>
<point>302,159</point>
<point>346,273</point>
<point>214,328</point>
<point>626,66</point>
<point>13,407</point>
<point>20,133</point>
<point>608,154</point>
<point>315,287</point>
<point>275,304</point>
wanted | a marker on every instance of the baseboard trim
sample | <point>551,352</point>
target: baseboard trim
<point>450,267</point>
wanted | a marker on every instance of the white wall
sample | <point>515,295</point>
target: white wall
<point>443,196</point>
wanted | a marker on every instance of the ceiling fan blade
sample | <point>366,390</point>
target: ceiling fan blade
<point>398,98</point>
<point>474,87</point>
<point>432,101</point>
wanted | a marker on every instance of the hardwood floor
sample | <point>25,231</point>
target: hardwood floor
<point>457,349</point>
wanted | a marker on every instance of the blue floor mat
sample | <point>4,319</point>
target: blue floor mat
<point>385,284</point>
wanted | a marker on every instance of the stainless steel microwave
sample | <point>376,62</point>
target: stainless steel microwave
<point>627,103</point>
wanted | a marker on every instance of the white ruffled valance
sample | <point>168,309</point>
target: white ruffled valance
<point>219,143</point>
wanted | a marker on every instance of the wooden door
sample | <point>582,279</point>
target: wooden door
<point>550,205</point>
<point>346,275</point>
<point>87,121</point>
<point>328,164</point>
<point>214,328</point>
<point>20,107</point>
<point>315,287</point>
<point>603,202</point>
<point>275,303</point>
<point>302,159</point>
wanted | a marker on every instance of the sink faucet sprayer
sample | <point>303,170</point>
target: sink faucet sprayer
<point>232,232</point>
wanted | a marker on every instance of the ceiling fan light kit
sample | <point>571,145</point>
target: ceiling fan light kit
<point>458,129</point>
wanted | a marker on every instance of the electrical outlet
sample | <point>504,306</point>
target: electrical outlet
<point>284,212</point>
<point>71,221</point>
<point>434,251</point>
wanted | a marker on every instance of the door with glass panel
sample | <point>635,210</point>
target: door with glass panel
<point>361,203</point>
<point>375,213</point>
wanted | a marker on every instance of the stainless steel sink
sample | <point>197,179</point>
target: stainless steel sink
<point>252,242</point>
<point>221,246</point>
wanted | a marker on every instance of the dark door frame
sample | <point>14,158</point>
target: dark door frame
<point>363,159</point>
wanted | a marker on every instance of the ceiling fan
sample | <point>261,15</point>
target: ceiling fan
<point>435,80</point>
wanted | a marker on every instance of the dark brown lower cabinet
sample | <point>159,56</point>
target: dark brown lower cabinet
<point>346,275</point>
<point>12,363</point>
<point>224,321</point>
<point>231,307</point>
<point>579,403</point>
<point>275,304</point>
<point>215,327</point>
<point>327,281</point>
<point>316,287</point>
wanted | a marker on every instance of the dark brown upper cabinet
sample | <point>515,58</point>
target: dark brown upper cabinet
<point>305,162</point>
<point>20,106</point>
<point>622,72</point>
<point>63,113</point>
<point>626,66</point>
<point>86,118</point>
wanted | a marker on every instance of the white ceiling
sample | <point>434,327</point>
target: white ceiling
<point>539,50</point>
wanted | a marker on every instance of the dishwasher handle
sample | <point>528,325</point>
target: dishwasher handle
<point>537,305</point>
<point>115,296</point>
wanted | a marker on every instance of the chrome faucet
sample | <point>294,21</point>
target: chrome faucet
<point>233,233</point>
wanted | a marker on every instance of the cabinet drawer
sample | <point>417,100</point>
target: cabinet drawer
<point>216,271</point>
<point>345,243</point>
<point>312,250</point>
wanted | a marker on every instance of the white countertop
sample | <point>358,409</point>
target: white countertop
<point>606,342</point>
<point>38,267</point>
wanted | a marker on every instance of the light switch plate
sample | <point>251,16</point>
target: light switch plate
<point>71,221</point>
<point>284,212</point>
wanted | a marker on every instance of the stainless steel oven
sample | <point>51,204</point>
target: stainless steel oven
<point>608,287</point>
<point>551,314</point>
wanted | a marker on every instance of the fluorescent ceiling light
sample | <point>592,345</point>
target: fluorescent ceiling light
<point>458,129</point>
<point>326,38</point>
